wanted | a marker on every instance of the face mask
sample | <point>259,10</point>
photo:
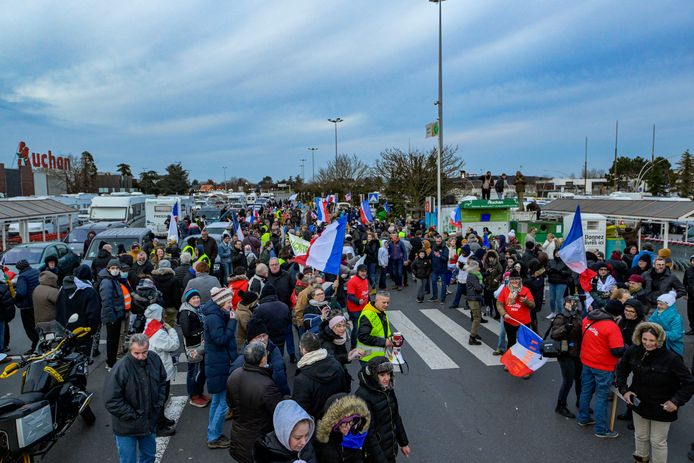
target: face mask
<point>114,273</point>
<point>353,441</point>
<point>123,274</point>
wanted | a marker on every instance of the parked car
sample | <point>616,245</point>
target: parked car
<point>36,253</point>
<point>114,237</point>
<point>75,240</point>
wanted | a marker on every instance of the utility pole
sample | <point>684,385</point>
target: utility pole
<point>302,168</point>
<point>225,177</point>
<point>653,145</point>
<point>336,121</point>
<point>439,103</point>
<point>616,136</point>
<point>313,164</point>
<point>585,170</point>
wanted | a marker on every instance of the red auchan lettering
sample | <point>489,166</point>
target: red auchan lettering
<point>38,160</point>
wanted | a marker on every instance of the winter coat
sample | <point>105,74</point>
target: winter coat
<point>558,273</point>
<point>163,341</point>
<point>210,247</point>
<point>283,283</point>
<point>658,284</point>
<point>166,282</point>
<point>659,376</point>
<point>180,273</point>
<point>112,301</point>
<point>327,342</point>
<point>237,283</point>
<point>619,269</point>
<point>134,393</point>
<point>191,322</point>
<point>238,258</point>
<point>318,377</point>
<point>492,273</point>
<point>627,326</point>
<point>244,313</point>
<point>220,346</point>
<point>671,321</point>
<point>688,281</point>
<point>7,307</point>
<point>474,288</point>
<point>386,432</point>
<point>256,284</point>
<point>397,251</point>
<point>328,442</point>
<point>439,264</point>
<point>421,268</point>
<point>225,252</point>
<point>78,297</point>
<point>144,269</point>
<point>203,283</point>
<point>276,362</point>
<point>252,396</point>
<point>371,252</point>
<point>566,326</point>
<point>45,297</point>
<point>27,281</point>
<point>274,447</point>
<point>276,316</point>
<point>100,262</point>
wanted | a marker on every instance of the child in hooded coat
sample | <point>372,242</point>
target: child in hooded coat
<point>290,442</point>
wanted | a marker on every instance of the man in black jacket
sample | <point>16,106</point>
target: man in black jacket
<point>318,377</point>
<point>661,280</point>
<point>284,286</point>
<point>135,409</point>
<point>101,260</point>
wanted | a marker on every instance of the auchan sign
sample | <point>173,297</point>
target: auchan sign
<point>38,160</point>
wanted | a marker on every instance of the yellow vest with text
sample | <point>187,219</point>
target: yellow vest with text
<point>377,330</point>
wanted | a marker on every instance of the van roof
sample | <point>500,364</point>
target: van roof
<point>120,232</point>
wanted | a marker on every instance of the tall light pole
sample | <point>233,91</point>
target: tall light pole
<point>313,164</point>
<point>336,121</point>
<point>225,177</point>
<point>302,167</point>
<point>439,103</point>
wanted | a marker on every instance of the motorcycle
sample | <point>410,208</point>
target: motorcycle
<point>53,394</point>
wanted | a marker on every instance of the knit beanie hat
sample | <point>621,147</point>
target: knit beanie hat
<point>190,293</point>
<point>113,263</point>
<point>247,297</point>
<point>221,295</point>
<point>667,298</point>
<point>164,263</point>
<point>255,327</point>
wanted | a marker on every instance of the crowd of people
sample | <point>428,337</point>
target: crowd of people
<point>234,326</point>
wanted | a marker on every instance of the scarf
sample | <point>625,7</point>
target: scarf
<point>152,327</point>
<point>342,339</point>
<point>477,274</point>
<point>312,357</point>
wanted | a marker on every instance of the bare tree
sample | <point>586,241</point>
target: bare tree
<point>344,174</point>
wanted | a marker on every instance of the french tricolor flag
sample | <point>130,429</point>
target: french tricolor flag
<point>322,210</point>
<point>456,217</point>
<point>365,212</point>
<point>573,252</point>
<point>524,357</point>
<point>325,252</point>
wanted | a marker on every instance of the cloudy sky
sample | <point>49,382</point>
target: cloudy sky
<point>250,84</point>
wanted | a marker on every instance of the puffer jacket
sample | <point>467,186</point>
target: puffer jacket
<point>244,313</point>
<point>162,339</point>
<point>318,377</point>
<point>237,283</point>
<point>283,283</point>
<point>274,446</point>
<point>134,393</point>
<point>191,322</point>
<point>386,432</point>
<point>167,284</point>
<point>112,301</point>
<point>7,307</point>
<point>558,273</point>
<point>45,297</point>
<point>659,376</point>
<point>328,442</point>
<point>27,281</point>
<point>220,346</point>
<point>566,326</point>
<point>474,288</point>
<point>421,268</point>
<point>671,321</point>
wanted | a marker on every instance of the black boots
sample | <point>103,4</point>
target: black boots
<point>473,341</point>
<point>564,411</point>
<point>638,459</point>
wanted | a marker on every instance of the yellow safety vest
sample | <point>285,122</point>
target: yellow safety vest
<point>377,330</point>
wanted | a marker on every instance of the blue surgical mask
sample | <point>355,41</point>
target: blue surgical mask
<point>124,274</point>
<point>353,441</point>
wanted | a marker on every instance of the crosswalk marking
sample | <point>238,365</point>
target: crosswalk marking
<point>173,411</point>
<point>492,324</point>
<point>420,342</point>
<point>180,378</point>
<point>461,336</point>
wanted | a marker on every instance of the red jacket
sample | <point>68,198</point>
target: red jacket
<point>237,283</point>
<point>357,288</point>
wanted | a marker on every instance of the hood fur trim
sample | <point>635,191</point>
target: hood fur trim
<point>345,406</point>
<point>644,326</point>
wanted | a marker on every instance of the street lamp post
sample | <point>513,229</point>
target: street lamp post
<point>336,121</point>
<point>313,164</point>
<point>225,177</point>
<point>439,103</point>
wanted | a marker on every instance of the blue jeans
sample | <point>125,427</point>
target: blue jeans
<point>460,291</point>
<point>556,297</point>
<point>396,271</point>
<point>371,274</point>
<point>218,410</point>
<point>598,382</point>
<point>127,448</point>
<point>434,285</point>
<point>354,318</point>
<point>195,381</point>
<point>501,343</point>
<point>289,341</point>
<point>226,268</point>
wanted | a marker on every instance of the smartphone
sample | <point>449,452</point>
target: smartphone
<point>636,401</point>
<point>367,352</point>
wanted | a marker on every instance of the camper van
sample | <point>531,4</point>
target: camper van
<point>237,200</point>
<point>119,207</point>
<point>158,210</point>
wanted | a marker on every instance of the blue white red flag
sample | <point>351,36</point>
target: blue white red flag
<point>524,357</point>
<point>456,217</point>
<point>173,224</point>
<point>386,208</point>
<point>322,210</point>
<point>573,252</point>
<point>365,212</point>
<point>348,197</point>
<point>325,252</point>
<point>237,226</point>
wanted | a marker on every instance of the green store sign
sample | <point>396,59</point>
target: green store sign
<point>506,203</point>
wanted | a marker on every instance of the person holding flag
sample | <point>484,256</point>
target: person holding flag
<point>514,305</point>
<point>172,234</point>
<point>573,253</point>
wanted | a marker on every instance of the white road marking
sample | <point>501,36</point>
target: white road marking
<point>173,411</point>
<point>420,342</point>
<point>492,325</point>
<point>461,336</point>
<point>180,378</point>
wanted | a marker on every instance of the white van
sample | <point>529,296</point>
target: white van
<point>158,211</point>
<point>237,200</point>
<point>119,207</point>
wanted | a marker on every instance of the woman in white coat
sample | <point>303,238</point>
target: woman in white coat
<point>163,340</point>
